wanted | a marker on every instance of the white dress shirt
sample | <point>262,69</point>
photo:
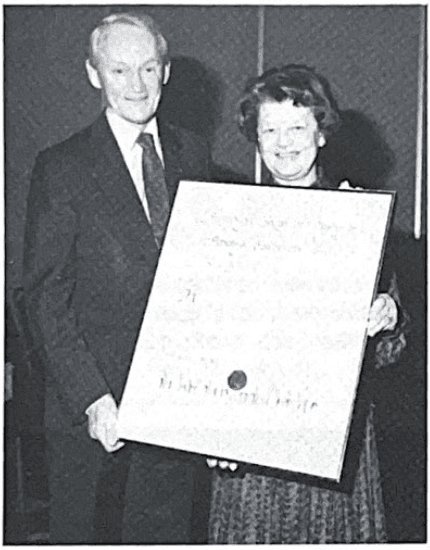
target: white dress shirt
<point>126,134</point>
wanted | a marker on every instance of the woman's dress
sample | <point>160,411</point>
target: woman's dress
<point>260,505</point>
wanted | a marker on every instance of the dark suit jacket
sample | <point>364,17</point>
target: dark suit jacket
<point>89,262</point>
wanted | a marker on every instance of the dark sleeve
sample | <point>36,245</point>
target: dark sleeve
<point>390,343</point>
<point>50,273</point>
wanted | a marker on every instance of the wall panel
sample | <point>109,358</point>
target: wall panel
<point>369,54</point>
<point>47,98</point>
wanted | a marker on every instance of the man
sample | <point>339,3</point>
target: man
<point>97,211</point>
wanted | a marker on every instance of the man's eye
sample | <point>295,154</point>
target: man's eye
<point>118,71</point>
<point>150,69</point>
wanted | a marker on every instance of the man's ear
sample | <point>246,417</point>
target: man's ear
<point>166,75</point>
<point>93,75</point>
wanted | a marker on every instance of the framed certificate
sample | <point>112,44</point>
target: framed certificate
<point>252,342</point>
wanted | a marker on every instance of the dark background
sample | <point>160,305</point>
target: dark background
<point>369,54</point>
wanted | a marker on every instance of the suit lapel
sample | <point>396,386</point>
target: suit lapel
<point>108,161</point>
<point>111,175</point>
<point>110,170</point>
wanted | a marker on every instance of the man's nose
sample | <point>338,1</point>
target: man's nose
<point>138,82</point>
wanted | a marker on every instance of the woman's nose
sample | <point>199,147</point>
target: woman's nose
<point>284,138</point>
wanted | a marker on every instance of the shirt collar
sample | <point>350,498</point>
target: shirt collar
<point>127,132</point>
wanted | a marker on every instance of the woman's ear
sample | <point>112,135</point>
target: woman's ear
<point>321,140</point>
<point>166,73</point>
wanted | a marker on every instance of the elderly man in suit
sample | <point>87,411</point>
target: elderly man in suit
<point>97,210</point>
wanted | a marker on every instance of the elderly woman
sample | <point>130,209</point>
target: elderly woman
<point>290,114</point>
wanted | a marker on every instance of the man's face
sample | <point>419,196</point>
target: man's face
<point>130,72</point>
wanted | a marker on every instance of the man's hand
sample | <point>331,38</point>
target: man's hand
<point>102,423</point>
<point>383,314</point>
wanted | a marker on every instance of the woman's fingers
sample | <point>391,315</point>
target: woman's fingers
<point>383,314</point>
<point>223,464</point>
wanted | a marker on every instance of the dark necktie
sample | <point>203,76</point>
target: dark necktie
<point>155,186</point>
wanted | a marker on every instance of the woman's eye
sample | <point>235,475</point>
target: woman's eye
<point>118,71</point>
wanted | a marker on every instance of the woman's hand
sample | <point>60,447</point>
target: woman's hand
<point>223,464</point>
<point>383,314</point>
<point>346,185</point>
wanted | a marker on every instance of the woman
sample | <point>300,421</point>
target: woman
<point>290,114</point>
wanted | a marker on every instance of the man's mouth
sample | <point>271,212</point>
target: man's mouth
<point>136,99</point>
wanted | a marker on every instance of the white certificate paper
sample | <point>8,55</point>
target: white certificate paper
<point>253,338</point>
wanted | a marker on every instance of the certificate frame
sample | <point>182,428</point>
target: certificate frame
<point>203,377</point>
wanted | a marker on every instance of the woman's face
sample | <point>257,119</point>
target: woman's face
<point>289,140</point>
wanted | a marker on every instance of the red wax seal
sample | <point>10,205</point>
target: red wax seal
<point>237,380</point>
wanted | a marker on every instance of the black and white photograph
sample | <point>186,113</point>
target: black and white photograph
<point>215,273</point>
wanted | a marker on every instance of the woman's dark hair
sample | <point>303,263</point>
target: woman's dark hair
<point>297,82</point>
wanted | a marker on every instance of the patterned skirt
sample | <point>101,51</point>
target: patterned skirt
<point>256,508</point>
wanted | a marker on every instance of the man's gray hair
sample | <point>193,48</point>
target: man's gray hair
<point>136,19</point>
